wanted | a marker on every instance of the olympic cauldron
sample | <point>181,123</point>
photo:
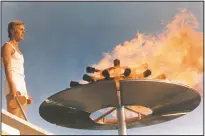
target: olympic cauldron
<point>73,107</point>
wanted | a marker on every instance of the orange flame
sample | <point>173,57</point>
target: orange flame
<point>177,51</point>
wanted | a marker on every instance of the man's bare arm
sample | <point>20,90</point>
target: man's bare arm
<point>6,54</point>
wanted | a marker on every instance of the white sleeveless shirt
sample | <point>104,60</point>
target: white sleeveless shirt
<point>17,70</point>
<point>17,62</point>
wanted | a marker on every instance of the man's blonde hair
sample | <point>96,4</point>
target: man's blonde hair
<point>12,26</point>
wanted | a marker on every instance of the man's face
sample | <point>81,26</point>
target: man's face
<point>18,32</point>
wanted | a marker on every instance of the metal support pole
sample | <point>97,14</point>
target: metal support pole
<point>122,129</point>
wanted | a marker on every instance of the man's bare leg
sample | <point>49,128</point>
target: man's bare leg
<point>15,111</point>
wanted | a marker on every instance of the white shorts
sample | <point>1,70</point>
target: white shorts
<point>19,81</point>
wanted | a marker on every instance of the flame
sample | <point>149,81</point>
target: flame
<point>177,51</point>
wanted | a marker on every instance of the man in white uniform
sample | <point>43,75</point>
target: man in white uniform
<point>13,62</point>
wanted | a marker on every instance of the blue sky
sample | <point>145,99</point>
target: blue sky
<point>62,38</point>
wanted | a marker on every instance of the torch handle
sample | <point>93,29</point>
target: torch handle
<point>21,108</point>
